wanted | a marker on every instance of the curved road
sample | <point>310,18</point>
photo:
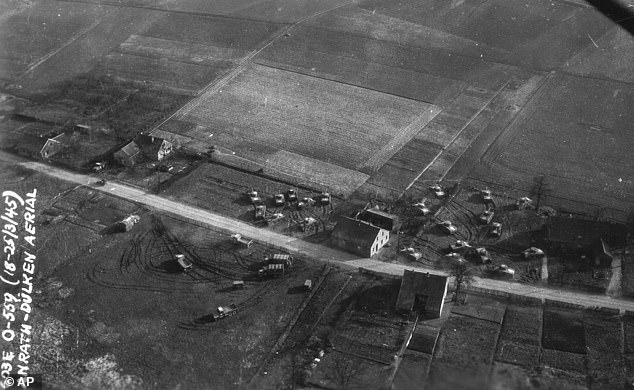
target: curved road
<point>319,252</point>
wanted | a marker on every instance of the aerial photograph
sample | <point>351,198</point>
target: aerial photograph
<point>317,194</point>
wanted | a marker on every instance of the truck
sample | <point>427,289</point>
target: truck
<point>238,239</point>
<point>259,211</point>
<point>272,270</point>
<point>225,311</point>
<point>291,195</point>
<point>279,200</point>
<point>280,258</point>
<point>254,197</point>
<point>324,198</point>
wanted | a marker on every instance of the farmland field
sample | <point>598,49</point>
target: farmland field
<point>575,134</point>
<point>162,72</point>
<point>40,29</point>
<point>233,33</point>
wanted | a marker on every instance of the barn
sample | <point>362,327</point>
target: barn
<point>423,293</point>
<point>359,237</point>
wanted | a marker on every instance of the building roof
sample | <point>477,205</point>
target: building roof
<point>130,149</point>
<point>355,230</point>
<point>420,283</point>
<point>380,213</point>
<point>583,233</point>
<point>149,144</point>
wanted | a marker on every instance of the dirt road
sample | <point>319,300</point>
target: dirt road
<point>228,225</point>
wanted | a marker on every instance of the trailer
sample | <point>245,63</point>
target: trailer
<point>238,239</point>
<point>272,270</point>
<point>280,258</point>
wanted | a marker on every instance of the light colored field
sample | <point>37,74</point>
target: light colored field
<point>333,178</point>
<point>182,51</point>
<point>320,119</point>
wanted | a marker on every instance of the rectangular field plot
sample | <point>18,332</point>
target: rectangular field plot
<point>575,132</point>
<point>238,34</point>
<point>522,325</point>
<point>328,121</point>
<point>466,346</point>
<point>563,330</point>
<point>177,50</point>
<point>605,361</point>
<point>42,28</point>
<point>173,74</point>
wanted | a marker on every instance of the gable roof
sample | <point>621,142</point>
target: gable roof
<point>149,144</point>
<point>420,283</point>
<point>356,231</point>
<point>131,149</point>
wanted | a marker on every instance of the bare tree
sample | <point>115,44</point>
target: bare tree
<point>343,372</point>
<point>463,276</point>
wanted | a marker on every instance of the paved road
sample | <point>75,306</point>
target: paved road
<point>228,225</point>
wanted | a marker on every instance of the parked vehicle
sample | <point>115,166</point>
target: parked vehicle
<point>279,200</point>
<point>412,254</point>
<point>100,183</point>
<point>225,311</point>
<point>486,216</point>
<point>291,195</point>
<point>483,255</point>
<point>437,190</point>
<point>496,229</point>
<point>533,252</point>
<point>254,197</point>
<point>185,264</point>
<point>237,284</point>
<point>238,239</point>
<point>423,206</point>
<point>524,203</point>
<point>448,227</point>
<point>486,194</point>
<point>460,245</point>
<point>260,211</point>
<point>324,198</point>
<point>308,285</point>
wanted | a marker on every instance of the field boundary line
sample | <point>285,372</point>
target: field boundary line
<point>345,284</point>
<point>213,87</point>
<point>171,11</point>
<point>445,147</point>
<point>397,362</point>
<point>526,111</point>
<point>72,40</point>
<point>289,328</point>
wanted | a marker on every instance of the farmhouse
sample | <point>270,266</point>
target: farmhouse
<point>422,292</point>
<point>380,218</point>
<point>359,237</point>
<point>154,148</point>
<point>41,147</point>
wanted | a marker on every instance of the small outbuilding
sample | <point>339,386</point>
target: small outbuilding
<point>422,292</point>
<point>128,155</point>
<point>381,219</point>
<point>359,237</point>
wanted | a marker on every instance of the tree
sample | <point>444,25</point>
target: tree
<point>344,371</point>
<point>540,189</point>
<point>463,277</point>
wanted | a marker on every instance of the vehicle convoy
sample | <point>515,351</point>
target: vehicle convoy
<point>225,311</point>
<point>238,239</point>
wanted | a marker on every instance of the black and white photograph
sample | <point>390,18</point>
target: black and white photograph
<point>317,194</point>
